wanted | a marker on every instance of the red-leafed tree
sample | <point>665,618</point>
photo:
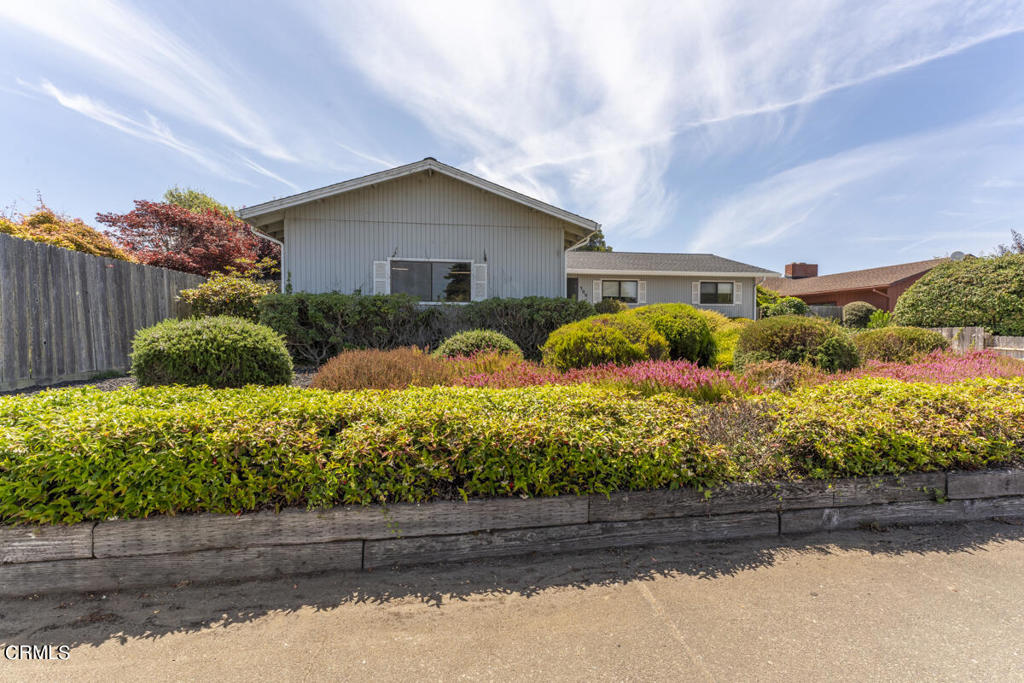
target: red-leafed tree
<point>201,242</point>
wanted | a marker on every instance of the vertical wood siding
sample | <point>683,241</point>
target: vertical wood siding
<point>66,315</point>
<point>663,289</point>
<point>331,244</point>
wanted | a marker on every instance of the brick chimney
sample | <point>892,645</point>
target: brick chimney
<point>799,270</point>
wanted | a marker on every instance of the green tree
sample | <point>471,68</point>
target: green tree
<point>196,201</point>
<point>596,243</point>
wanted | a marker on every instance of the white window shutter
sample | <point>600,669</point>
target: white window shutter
<point>380,277</point>
<point>597,291</point>
<point>478,287</point>
<point>695,293</point>
<point>641,291</point>
<point>737,292</point>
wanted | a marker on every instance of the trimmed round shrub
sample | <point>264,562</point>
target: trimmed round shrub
<point>609,306</point>
<point>603,339</point>
<point>898,344</point>
<point>471,342</point>
<point>797,339</point>
<point>982,292</point>
<point>377,369</point>
<point>789,305</point>
<point>218,352</point>
<point>857,314</point>
<point>687,331</point>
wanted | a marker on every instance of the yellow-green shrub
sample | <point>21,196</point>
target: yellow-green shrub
<point>726,332</point>
<point>687,332</point>
<point>610,338</point>
<point>45,225</point>
<point>228,294</point>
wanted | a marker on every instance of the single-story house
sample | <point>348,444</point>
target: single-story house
<point>703,280</point>
<point>426,229</point>
<point>444,235</point>
<point>880,287</point>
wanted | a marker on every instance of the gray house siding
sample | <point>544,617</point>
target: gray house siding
<point>331,244</point>
<point>663,289</point>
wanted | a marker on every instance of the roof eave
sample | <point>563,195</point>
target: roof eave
<point>669,273</point>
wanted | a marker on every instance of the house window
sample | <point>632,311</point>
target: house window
<point>432,280</point>
<point>622,290</point>
<point>716,293</point>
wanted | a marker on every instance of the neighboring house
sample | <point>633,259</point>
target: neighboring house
<point>703,280</point>
<point>880,287</point>
<point>425,229</point>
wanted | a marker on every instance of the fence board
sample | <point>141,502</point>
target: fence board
<point>66,315</point>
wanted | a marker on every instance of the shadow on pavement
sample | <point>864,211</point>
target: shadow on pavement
<point>95,619</point>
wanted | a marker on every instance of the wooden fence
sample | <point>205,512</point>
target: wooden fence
<point>65,315</point>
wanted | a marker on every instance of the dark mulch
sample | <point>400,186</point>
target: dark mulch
<point>302,378</point>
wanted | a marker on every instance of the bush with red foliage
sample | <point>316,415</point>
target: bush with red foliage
<point>169,236</point>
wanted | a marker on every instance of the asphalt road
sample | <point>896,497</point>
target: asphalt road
<point>921,604</point>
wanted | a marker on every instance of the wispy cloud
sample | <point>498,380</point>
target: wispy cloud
<point>267,172</point>
<point>584,103</point>
<point>148,61</point>
<point>821,202</point>
<point>150,129</point>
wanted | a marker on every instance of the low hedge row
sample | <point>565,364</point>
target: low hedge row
<point>83,454</point>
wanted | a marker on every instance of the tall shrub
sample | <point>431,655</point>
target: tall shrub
<point>983,292</point>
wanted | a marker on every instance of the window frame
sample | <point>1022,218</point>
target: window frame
<point>471,262</point>
<point>636,298</point>
<point>700,292</point>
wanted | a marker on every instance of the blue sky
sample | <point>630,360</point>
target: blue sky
<point>850,134</point>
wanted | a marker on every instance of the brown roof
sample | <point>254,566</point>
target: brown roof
<point>854,279</point>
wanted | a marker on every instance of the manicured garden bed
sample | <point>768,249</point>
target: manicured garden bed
<point>82,454</point>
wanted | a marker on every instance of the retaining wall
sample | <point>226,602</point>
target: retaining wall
<point>164,551</point>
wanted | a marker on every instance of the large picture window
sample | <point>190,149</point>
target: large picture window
<point>432,280</point>
<point>622,290</point>
<point>716,293</point>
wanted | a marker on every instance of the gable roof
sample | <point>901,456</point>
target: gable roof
<point>252,214</point>
<point>636,263</point>
<point>869,278</point>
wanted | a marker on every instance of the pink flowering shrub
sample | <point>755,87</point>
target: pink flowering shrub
<point>648,377</point>
<point>942,367</point>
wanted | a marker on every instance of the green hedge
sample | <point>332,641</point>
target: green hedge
<point>983,292</point>
<point>319,326</point>
<point>83,454</point>
<point>875,427</point>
